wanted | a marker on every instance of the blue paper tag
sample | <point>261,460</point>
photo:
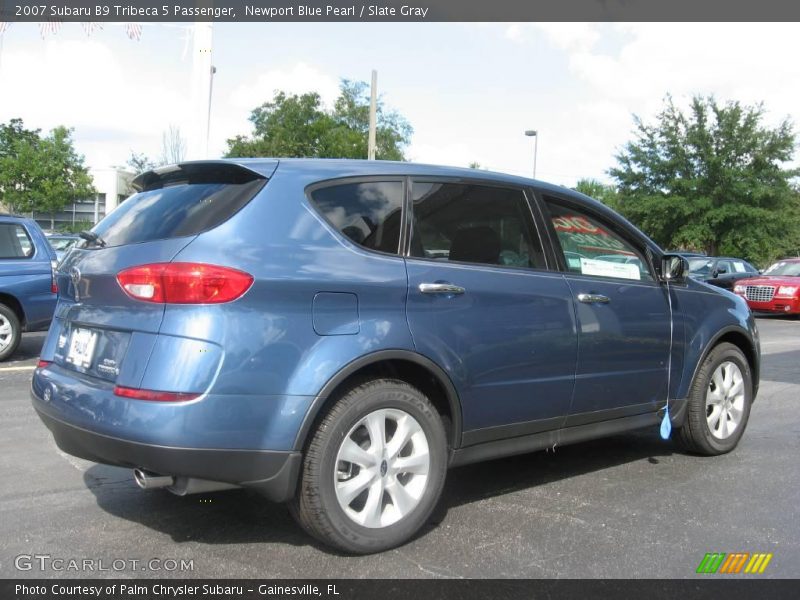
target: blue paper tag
<point>666,424</point>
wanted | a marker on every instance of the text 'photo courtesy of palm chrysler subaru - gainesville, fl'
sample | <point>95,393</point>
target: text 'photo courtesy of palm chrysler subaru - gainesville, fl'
<point>337,334</point>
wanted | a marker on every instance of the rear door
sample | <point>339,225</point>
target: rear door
<point>482,304</point>
<point>622,312</point>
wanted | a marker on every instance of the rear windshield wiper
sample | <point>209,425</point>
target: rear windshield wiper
<point>93,238</point>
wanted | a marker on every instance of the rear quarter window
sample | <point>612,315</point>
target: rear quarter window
<point>368,212</point>
<point>14,241</point>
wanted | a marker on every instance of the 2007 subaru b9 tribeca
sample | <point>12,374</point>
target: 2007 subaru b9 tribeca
<point>336,334</point>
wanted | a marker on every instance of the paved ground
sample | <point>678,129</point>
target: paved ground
<point>628,506</point>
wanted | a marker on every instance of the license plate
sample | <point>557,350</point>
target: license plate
<point>81,347</point>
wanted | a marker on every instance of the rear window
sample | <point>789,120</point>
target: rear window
<point>174,211</point>
<point>14,241</point>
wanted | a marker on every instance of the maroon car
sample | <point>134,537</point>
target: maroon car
<point>776,291</point>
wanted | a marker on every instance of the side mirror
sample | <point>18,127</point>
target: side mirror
<point>721,271</point>
<point>674,268</point>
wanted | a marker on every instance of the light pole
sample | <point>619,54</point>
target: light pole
<point>535,135</point>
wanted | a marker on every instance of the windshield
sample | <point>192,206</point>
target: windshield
<point>61,243</point>
<point>784,268</point>
<point>700,266</point>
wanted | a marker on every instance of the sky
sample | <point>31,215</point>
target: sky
<point>469,90</point>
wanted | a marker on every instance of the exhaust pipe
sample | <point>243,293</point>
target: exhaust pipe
<point>152,481</point>
<point>180,486</point>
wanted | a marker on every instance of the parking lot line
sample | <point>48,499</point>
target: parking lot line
<point>22,368</point>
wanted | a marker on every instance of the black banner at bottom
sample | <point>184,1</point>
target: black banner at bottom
<point>398,589</point>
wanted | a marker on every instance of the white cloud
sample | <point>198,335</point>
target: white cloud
<point>82,84</point>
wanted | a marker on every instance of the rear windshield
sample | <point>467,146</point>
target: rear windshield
<point>175,211</point>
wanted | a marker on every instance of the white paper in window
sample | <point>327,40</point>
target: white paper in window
<point>604,268</point>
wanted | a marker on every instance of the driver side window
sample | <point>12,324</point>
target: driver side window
<point>591,247</point>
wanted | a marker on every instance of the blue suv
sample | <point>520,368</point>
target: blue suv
<point>27,281</point>
<point>336,334</point>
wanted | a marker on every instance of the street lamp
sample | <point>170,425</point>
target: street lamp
<point>535,135</point>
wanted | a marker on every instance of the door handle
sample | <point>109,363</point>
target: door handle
<point>440,288</point>
<point>593,299</point>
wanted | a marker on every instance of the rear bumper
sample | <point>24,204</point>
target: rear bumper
<point>273,473</point>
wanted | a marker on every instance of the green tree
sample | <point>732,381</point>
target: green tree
<point>605,193</point>
<point>140,162</point>
<point>40,174</point>
<point>300,126</point>
<point>713,178</point>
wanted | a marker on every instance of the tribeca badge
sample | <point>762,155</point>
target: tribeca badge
<point>735,562</point>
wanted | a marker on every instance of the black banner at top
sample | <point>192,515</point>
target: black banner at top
<point>144,11</point>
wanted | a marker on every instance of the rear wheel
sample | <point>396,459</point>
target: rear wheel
<point>10,332</point>
<point>374,469</point>
<point>719,402</point>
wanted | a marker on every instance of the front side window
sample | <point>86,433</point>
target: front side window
<point>474,224</point>
<point>369,213</point>
<point>591,247</point>
<point>14,241</point>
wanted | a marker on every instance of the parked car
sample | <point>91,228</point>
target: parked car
<point>336,334</point>
<point>62,242</point>
<point>722,271</point>
<point>776,291</point>
<point>27,281</point>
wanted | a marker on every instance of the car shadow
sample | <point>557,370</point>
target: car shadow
<point>244,517</point>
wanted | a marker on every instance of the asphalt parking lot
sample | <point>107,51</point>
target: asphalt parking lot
<point>628,506</point>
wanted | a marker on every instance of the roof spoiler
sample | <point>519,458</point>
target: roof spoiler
<point>205,171</point>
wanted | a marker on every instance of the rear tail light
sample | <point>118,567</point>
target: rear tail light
<point>153,395</point>
<point>184,283</point>
<point>53,280</point>
<point>43,363</point>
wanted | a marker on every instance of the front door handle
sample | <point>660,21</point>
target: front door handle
<point>440,288</point>
<point>593,299</point>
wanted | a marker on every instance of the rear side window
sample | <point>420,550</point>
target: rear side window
<point>174,211</point>
<point>14,241</point>
<point>367,212</point>
<point>474,224</point>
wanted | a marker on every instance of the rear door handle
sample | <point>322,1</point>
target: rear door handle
<point>593,299</point>
<point>440,288</point>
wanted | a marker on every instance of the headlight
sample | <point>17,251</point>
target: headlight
<point>739,289</point>
<point>786,290</point>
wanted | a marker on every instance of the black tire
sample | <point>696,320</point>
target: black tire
<point>316,507</point>
<point>9,317</point>
<point>695,435</point>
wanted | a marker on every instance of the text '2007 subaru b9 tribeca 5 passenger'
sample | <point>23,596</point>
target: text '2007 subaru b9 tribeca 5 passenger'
<point>336,334</point>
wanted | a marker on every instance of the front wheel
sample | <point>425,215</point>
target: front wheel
<point>719,402</point>
<point>374,469</point>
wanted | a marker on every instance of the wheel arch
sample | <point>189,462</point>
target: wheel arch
<point>15,305</point>
<point>742,340</point>
<point>408,366</point>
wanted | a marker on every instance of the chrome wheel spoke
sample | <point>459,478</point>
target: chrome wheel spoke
<point>373,508</point>
<point>736,388</point>
<point>349,490</point>
<point>402,500</point>
<point>714,417</point>
<point>353,453</point>
<point>417,464</point>
<point>376,427</point>
<point>402,435</point>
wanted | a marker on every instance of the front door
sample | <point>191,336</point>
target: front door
<point>622,312</point>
